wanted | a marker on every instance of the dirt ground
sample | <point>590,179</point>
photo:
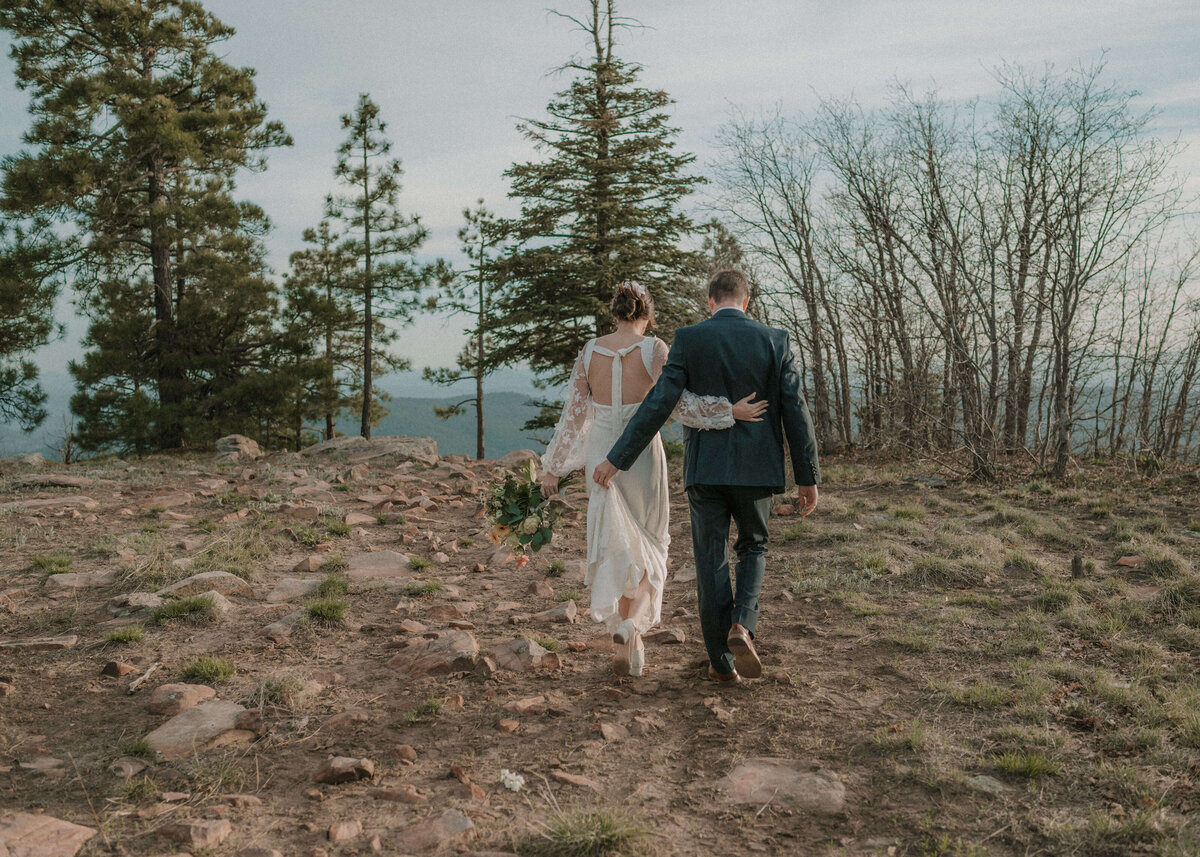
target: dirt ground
<point>922,638</point>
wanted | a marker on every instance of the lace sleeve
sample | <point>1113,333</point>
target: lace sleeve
<point>568,448</point>
<point>698,412</point>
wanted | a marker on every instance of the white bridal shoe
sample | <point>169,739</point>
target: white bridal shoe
<point>623,632</point>
<point>638,659</point>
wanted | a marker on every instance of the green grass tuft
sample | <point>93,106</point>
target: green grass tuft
<point>196,609</point>
<point>420,562</point>
<point>584,834</point>
<point>208,668</point>
<point>417,589</point>
<point>131,634</point>
<point>1026,763</point>
<point>327,611</point>
<point>333,587</point>
<point>58,562</point>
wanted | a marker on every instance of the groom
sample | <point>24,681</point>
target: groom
<point>730,475</point>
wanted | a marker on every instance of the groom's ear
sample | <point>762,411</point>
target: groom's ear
<point>746,303</point>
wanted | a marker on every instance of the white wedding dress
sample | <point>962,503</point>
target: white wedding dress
<point>627,522</point>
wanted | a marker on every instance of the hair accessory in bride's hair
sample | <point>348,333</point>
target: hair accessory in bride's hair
<point>635,287</point>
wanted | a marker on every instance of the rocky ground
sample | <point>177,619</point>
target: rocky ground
<point>323,654</point>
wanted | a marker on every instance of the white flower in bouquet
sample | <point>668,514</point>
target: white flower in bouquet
<point>512,782</point>
<point>531,525</point>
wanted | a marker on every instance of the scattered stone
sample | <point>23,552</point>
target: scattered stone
<point>523,654</point>
<point>450,830</point>
<point>198,833</point>
<point>309,564</point>
<point>127,766</point>
<point>454,651</point>
<point>575,780</point>
<point>27,459</point>
<point>328,677</point>
<point>117,669</point>
<point>412,626</point>
<point>784,510</point>
<point>786,784</point>
<point>401,794</point>
<point>49,504</point>
<point>1132,561</point>
<point>528,705</point>
<point>129,603</point>
<point>984,783</point>
<point>541,589</point>
<point>379,451</point>
<point>441,558</point>
<point>39,644</point>
<point>445,611</point>
<point>166,501</point>
<point>348,718</point>
<point>52,480</point>
<point>343,769</point>
<point>344,831</point>
<point>282,629</point>
<point>24,834</point>
<point>518,457</point>
<point>214,723</point>
<point>666,636</point>
<point>380,565</point>
<point>234,447</point>
<point>73,580</point>
<point>357,519</point>
<point>240,801</point>
<point>612,731</point>
<point>291,588</point>
<point>508,726</point>
<point>208,581</point>
<point>177,697</point>
<point>404,753</point>
<point>259,852</point>
<point>6,689</point>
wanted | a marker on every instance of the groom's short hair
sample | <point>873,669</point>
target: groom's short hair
<point>728,285</point>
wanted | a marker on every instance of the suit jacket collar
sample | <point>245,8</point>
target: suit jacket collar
<point>727,312</point>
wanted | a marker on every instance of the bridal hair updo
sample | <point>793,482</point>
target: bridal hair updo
<point>631,302</point>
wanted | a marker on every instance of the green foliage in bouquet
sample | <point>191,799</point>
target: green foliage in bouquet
<point>520,516</point>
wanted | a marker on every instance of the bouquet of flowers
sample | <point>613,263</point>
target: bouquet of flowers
<point>519,515</point>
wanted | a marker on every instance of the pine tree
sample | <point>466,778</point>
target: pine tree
<point>385,241</point>
<point>602,208</point>
<point>27,293</point>
<point>471,292</point>
<point>139,129</point>
<point>320,291</point>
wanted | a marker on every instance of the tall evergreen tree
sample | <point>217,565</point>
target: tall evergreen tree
<point>27,293</point>
<point>139,129</point>
<point>385,241</point>
<point>602,208</point>
<point>472,292</point>
<point>319,291</point>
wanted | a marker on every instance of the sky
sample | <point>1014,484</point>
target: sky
<point>453,77</point>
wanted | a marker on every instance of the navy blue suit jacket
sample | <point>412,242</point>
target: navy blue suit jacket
<point>730,355</point>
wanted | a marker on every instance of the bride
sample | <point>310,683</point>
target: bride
<point>626,523</point>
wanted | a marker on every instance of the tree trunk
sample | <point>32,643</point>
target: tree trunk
<point>367,319</point>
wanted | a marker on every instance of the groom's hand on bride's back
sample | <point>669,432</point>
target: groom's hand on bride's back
<point>806,499</point>
<point>604,473</point>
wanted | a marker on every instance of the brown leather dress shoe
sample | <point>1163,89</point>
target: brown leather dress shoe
<point>745,658</point>
<point>724,678</point>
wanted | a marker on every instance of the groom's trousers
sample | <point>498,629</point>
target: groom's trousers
<point>720,604</point>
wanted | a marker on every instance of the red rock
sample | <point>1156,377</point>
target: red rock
<point>445,611</point>
<point>355,519</point>
<point>24,834</point>
<point>541,589</point>
<point>412,626</point>
<point>405,753</point>
<point>612,731</point>
<point>343,769</point>
<point>39,644</point>
<point>257,852</point>
<point>6,689</point>
<point>214,723</point>
<point>243,801</point>
<point>520,655</point>
<point>786,783</point>
<point>117,669</point>
<point>450,830</point>
<point>784,510</point>
<point>174,698</point>
<point>209,581</point>
<point>401,794</point>
<point>348,718</point>
<point>564,612</point>
<point>344,831</point>
<point>576,646</point>
<point>664,636</point>
<point>1132,561</point>
<point>198,833</point>
<point>529,705</point>
<point>575,780</point>
<point>455,651</point>
<point>328,677</point>
<point>508,726</point>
